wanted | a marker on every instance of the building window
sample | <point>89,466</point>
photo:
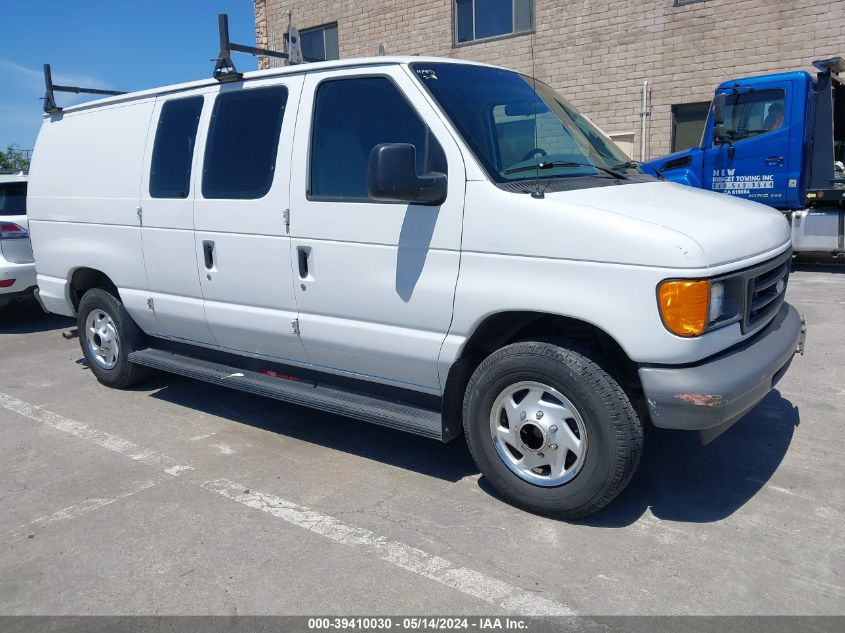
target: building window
<point>351,117</point>
<point>173,150</point>
<point>483,19</point>
<point>688,121</point>
<point>320,43</point>
<point>680,3</point>
<point>243,139</point>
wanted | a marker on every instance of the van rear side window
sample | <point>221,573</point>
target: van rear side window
<point>243,138</point>
<point>173,151</point>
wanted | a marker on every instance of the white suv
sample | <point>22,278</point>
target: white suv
<point>17,267</point>
<point>426,244</point>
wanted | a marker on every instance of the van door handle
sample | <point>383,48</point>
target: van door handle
<point>208,253</point>
<point>302,256</point>
<point>774,160</point>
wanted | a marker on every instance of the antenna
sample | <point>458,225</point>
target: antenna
<point>50,106</point>
<point>538,193</point>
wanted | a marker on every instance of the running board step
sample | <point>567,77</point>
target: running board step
<point>351,404</point>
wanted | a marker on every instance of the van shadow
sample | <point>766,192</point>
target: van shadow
<point>27,317</point>
<point>677,478</point>
<point>837,267</point>
<point>450,462</point>
<point>414,244</point>
<point>681,480</point>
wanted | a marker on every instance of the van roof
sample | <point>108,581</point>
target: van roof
<point>270,72</point>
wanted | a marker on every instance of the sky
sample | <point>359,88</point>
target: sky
<point>114,44</point>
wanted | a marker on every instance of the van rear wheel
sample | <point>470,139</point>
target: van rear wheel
<point>107,335</point>
<point>550,429</point>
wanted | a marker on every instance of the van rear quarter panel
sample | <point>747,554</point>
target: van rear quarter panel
<point>83,201</point>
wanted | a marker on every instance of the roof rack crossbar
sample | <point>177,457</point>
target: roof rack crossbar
<point>224,67</point>
<point>50,106</point>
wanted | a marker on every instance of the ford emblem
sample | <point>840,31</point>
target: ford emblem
<point>780,287</point>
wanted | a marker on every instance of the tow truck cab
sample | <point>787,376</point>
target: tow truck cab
<point>779,140</point>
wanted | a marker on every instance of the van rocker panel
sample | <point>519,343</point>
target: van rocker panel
<point>383,411</point>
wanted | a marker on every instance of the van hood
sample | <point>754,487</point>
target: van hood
<point>727,229</point>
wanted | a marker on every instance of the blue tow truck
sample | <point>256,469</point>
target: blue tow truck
<point>780,140</point>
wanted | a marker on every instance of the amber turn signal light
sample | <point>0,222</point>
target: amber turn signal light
<point>684,304</point>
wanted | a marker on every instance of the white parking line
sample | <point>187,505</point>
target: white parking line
<point>95,436</point>
<point>468,581</point>
<point>80,509</point>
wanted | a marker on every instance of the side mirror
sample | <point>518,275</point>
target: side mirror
<point>392,176</point>
<point>720,132</point>
<point>719,109</point>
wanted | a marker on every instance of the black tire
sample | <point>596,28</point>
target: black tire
<point>129,335</point>
<point>614,431</point>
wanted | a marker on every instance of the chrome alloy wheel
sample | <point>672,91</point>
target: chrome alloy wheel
<point>102,339</point>
<point>538,433</point>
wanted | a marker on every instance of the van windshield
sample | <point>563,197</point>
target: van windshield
<point>12,198</point>
<point>515,132</point>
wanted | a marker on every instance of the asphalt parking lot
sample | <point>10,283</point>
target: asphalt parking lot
<point>179,497</point>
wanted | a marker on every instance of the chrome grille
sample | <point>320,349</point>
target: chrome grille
<point>766,292</point>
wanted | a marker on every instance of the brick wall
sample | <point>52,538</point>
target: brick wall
<point>597,53</point>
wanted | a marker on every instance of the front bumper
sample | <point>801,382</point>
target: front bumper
<point>710,396</point>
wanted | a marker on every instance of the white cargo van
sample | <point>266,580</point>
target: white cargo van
<point>426,244</point>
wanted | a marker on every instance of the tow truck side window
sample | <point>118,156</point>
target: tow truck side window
<point>750,114</point>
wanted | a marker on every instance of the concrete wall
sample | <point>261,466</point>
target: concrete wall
<point>597,53</point>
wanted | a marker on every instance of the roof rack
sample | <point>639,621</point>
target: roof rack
<point>224,67</point>
<point>50,106</point>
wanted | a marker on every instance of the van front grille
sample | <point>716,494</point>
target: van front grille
<point>766,292</point>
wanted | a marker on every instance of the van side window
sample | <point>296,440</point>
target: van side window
<point>173,150</point>
<point>351,116</point>
<point>243,138</point>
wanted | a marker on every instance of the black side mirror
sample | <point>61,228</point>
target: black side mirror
<point>392,176</point>
<point>719,109</point>
<point>720,132</point>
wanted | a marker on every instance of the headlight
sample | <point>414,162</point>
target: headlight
<point>717,301</point>
<point>684,305</point>
<point>690,307</point>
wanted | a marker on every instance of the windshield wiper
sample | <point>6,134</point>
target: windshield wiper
<point>635,164</point>
<point>564,163</point>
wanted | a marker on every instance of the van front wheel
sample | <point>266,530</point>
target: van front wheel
<point>107,335</point>
<point>550,429</point>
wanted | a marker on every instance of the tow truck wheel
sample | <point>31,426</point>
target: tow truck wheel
<point>550,429</point>
<point>107,335</point>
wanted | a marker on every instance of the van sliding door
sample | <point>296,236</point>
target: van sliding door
<point>241,242</point>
